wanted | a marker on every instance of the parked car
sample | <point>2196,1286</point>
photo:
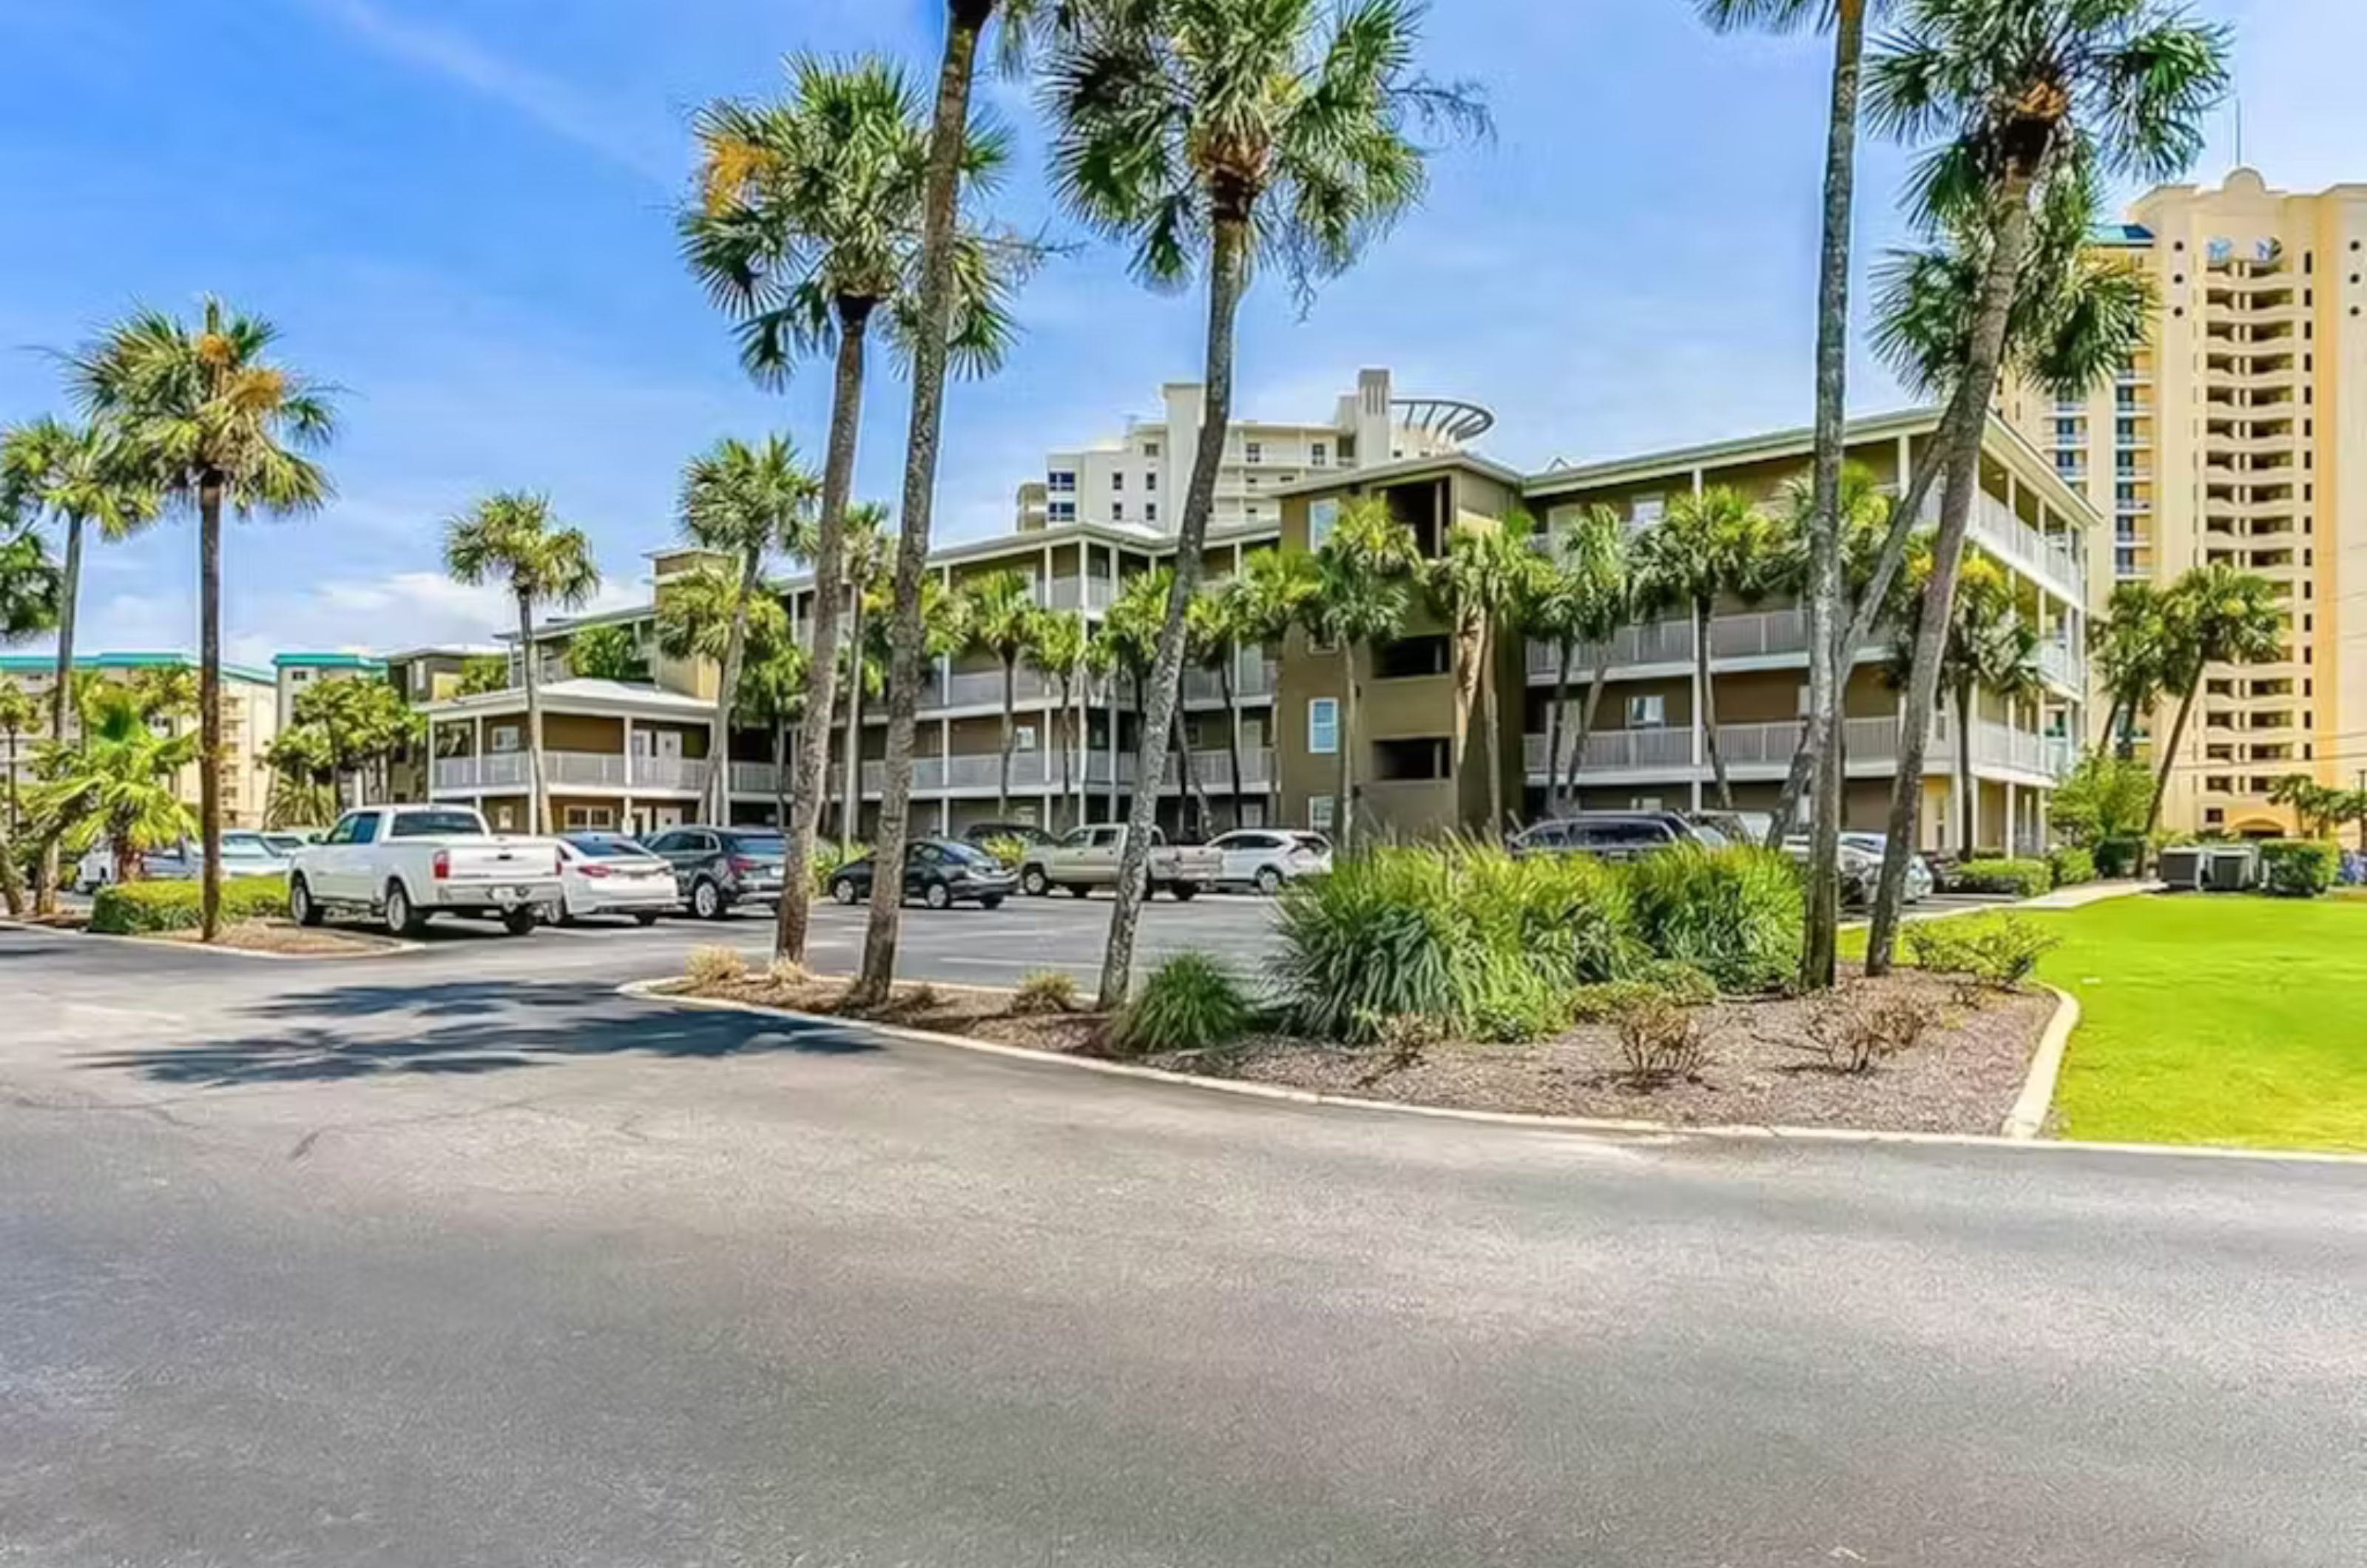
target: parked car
<point>95,870</point>
<point>1860,867</point>
<point>243,853</point>
<point>1611,835</point>
<point>405,863</point>
<point>1088,858</point>
<point>716,868</point>
<point>1734,826</point>
<point>1265,858</point>
<point>940,873</point>
<point>608,873</point>
<point>288,841</point>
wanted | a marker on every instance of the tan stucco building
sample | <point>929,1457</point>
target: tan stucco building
<point>250,714</point>
<point>2240,435</point>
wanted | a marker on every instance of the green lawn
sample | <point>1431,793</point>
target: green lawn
<point>2216,1020</point>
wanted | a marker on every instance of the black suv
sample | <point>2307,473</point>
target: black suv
<point>1609,835</point>
<point>715,868</point>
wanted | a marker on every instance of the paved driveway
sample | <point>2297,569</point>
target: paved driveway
<point>468,1263</point>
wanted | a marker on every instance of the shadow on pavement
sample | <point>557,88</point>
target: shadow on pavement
<point>466,1027</point>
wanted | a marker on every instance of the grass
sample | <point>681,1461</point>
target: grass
<point>2220,1020</point>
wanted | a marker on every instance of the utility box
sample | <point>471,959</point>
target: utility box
<point>2180,869</point>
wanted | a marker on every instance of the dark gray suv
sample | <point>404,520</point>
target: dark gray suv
<point>1611,835</point>
<point>715,868</point>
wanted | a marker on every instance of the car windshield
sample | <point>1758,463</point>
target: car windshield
<point>756,844</point>
<point>436,825</point>
<point>594,847</point>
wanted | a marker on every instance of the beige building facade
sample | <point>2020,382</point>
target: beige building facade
<point>2240,436</point>
<point>249,715</point>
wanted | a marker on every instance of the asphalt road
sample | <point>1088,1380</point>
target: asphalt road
<point>456,1260</point>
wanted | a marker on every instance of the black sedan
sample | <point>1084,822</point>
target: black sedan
<point>940,873</point>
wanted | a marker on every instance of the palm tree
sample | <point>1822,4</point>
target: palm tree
<point>1058,654</point>
<point>811,226</point>
<point>1269,597</point>
<point>1831,655</point>
<point>1210,134</point>
<point>2131,645</point>
<point>1708,544</point>
<point>206,422</point>
<point>1478,585</point>
<point>1989,646</point>
<point>1365,575</point>
<point>30,583</point>
<point>1865,515</point>
<point>2033,103</point>
<point>2212,615</point>
<point>606,653</point>
<point>19,713</point>
<point>748,503</point>
<point>512,537</point>
<point>116,786</point>
<point>863,557</point>
<point>773,684</point>
<point>1001,614</point>
<point>1583,594</point>
<point>1130,630</point>
<point>1213,640</point>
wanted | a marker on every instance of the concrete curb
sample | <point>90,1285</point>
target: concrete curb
<point>388,947</point>
<point>2028,1118</point>
<point>654,991</point>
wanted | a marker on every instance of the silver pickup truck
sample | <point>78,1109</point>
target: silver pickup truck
<point>1088,856</point>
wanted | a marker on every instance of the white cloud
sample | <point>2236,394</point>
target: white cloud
<point>549,103</point>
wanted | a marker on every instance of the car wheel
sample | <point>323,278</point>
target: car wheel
<point>401,919</point>
<point>843,890</point>
<point>1033,882</point>
<point>301,907</point>
<point>1184,891</point>
<point>520,921</point>
<point>1269,881</point>
<point>645,919</point>
<point>938,897</point>
<point>706,900</point>
<point>991,901</point>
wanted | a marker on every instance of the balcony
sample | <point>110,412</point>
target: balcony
<point>1763,751</point>
<point>2048,558</point>
<point>1089,593</point>
<point>2064,666</point>
<point>1033,773</point>
<point>1255,678</point>
<point>572,770</point>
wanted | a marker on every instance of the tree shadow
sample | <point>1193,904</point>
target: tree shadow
<point>468,1027</point>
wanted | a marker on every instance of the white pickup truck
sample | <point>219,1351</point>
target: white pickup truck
<point>402,863</point>
<point>1088,858</point>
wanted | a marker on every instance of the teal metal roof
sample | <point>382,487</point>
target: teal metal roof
<point>326,662</point>
<point>43,663</point>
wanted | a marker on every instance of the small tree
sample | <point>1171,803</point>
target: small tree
<point>1271,597</point>
<point>19,715</point>
<point>1478,585</point>
<point>1002,615</point>
<point>1366,571</point>
<point>2212,615</point>
<point>2130,644</point>
<point>116,786</point>
<point>1058,654</point>
<point>1709,544</point>
<point>481,673</point>
<point>608,653</point>
<point>1583,592</point>
<point>2103,800</point>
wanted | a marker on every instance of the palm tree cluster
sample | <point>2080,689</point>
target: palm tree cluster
<point>2321,810</point>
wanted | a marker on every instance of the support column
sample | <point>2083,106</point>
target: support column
<point>1701,759</point>
<point>2012,818</point>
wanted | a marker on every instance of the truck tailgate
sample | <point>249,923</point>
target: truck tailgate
<point>497,860</point>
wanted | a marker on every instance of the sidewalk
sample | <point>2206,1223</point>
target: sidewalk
<point>2087,892</point>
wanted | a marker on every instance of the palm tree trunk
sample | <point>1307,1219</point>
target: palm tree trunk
<point>1228,275</point>
<point>735,649</point>
<point>948,135</point>
<point>1827,661</point>
<point>1710,704</point>
<point>1962,443</point>
<point>1010,733</point>
<point>1586,717</point>
<point>1968,806</point>
<point>850,813</point>
<point>1068,746</point>
<point>780,771</point>
<point>45,877</point>
<point>1554,804</point>
<point>537,802</point>
<point>793,917</point>
<point>1492,725</point>
<point>209,727</point>
<point>1232,727</point>
<point>12,793</point>
<point>2170,754</point>
<point>1348,786</point>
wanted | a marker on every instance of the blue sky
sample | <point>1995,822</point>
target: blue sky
<point>457,210</point>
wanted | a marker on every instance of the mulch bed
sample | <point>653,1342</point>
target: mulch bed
<point>1963,1076</point>
<point>288,938</point>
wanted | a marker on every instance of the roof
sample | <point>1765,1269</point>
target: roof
<point>582,694</point>
<point>46,663</point>
<point>2134,235</point>
<point>445,650</point>
<point>1401,469</point>
<point>326,662</point>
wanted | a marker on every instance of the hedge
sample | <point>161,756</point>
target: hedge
<point>2023,878</point>
<point>2299,868</point>
<point>134,909</point>
<point>2118,857</point>
<point>2071,866</point>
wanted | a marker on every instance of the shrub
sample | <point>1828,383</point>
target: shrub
<point>1658,1039</point>
<point>1853,1029</point>
<point>1736,914</point>
<point>1046,991</point>
<point>2299,868</point>
<point>2071,866</point>
<point>2023,878</point>
<point>2118,857</point>
<point>1188,1004</point>
<point>714,966</point>
<point>2000,951</point>
<point>1369,942</point>
<point>1007,850</point>
<point>788,972</point>
<point>134,909</point>
<point>828,857</point>
<point>1680,983</point>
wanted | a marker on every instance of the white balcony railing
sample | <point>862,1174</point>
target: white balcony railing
<point>979,774</point>
<point>570,770</point>
<point>1077,594</point>
<point>1765,750</point>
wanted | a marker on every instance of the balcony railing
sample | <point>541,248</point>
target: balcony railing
<point>572,770</point>
<point>1766,748</point>
<point>1077,594</point>
<point>978,773</point>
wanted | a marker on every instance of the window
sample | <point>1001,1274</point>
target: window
<point>1411,658</point>
<point>297,677</point>
<point>1150,512</point>
<point>667,843</point>
<point>1407,760</point>
<point>1117,510</point>
<point>432,825</point>
<point>583,817</point>
<point>1647,510</point>
<point>1062,512</point>
<point>1647,712</point>
<point>1062,480</point>
<point>505,737</point>
<point>1117,478</point>
<point>1320,517</point>
<point>1151,449</point>
<point>1254,451</point>
<point>1323,728</point>
<point>343,833</point>
<point>1318,813</point>
<point>1317,455</point>
<point>1023,738</point>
